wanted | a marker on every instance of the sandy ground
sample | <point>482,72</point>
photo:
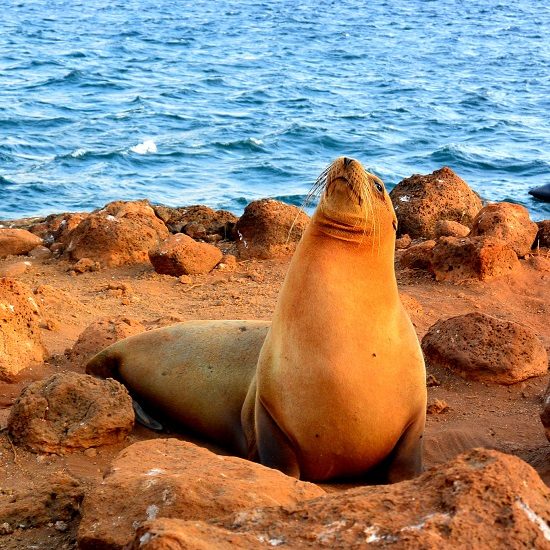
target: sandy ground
<point>504,418</point>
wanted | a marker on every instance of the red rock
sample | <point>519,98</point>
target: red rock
<point>15,269</point>
<point>17,242</point>
<point>421,201</point>
<point>56,227</point>
<point>509,223</point>
<point>446,228</point>
<point>100,334</point>
<point>181,255</point>
<point>403,242</point>
<point>269,228</point>
<point>20,342</point>
<point>483,258</point>
<point>545,413</point>
<point>543,235</point>
<point>119,234</point>
<point>70,411</point>
<point>40,253</point>
<point>86,264</point>
<point>480,347</point>
<point>197,221</point>
<point>175,479</point>
<point>56,498</point>
<point>481,499</point>
<point>418,256</point>
<point>437,406</point>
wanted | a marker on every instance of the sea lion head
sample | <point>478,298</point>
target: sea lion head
<point>354,204</point>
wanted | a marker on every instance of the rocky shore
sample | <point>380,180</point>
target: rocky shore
<point>78,471</point>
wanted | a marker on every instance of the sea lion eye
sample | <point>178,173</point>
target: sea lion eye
<point>379,187</point>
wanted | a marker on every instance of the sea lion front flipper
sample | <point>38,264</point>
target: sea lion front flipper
<point>274,447</point>
<point>406,458</point>
<point>145,419</point>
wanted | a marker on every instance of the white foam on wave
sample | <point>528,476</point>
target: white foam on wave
<point>256,141</point>
<point>148,146</point>
<point>78,153</point>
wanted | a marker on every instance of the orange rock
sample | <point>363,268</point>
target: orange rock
<point>14,270</point>
<point>176,479</point>
<point>481,499</point>
<point>16,242</point>
<point>457,260</point>
<point>56,227</point>
<point>509,223</point>
<point>447,228</point>
<point>56,498</point>
<point>418,256</point>
<point>421,201</point>
<point>403,242</point>
<point>121,233</point>
<point>40,253</point>
<point>20,343</point>
<point>70,411</point>
<point>181,255</point>
<point>100,334</point>
<point>269,228</point>
<point>480,347</point>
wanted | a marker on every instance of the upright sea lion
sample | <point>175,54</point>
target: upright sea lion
<point>339,387</point>
<point>340,383</point>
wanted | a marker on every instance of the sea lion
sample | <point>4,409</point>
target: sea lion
<point>197,373</point>
<point>338,389</point>
<point>340,384</point>
<point>542,192</point>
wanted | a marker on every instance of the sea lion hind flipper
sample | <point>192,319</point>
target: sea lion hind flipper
<point>104,364</point>
<point>145,419</point>
<point>405,461</point>
<point>274,448</point>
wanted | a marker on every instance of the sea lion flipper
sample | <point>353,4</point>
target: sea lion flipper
<point>274,448</point>
<point>406,458</point>
<point>145,419</point>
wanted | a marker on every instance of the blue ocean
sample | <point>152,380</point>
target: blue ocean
<point>221,102</point>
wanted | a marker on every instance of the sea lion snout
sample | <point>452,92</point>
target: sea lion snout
<point>347,161</point>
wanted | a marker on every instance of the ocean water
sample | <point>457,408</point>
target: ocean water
<point>220,102</point>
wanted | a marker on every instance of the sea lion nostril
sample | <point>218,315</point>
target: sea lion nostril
<point>347,161</point>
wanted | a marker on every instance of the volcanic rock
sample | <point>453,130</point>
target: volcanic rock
<point>480,347</point>
<point>447,228</point>
<point>70,411</point>
<point>545,413</point>
<point>197,221</point>
<point>269,228</point>
<point>509,223</point>
<point>54,499</point>
<point>418,256</point>
<point>421,201</point>
<point>179,255</point>
<point>100,334</point>
<point>543,236</point>
<point>16,242</point>
<point>481,499</point>
<point>403,242</point>
<point>176,479</point>
<point>457,260</point>
<point>56,227</point>
<point>121,233</point>
<point>20,343</point>
<point>40,253</point>
<point>14,270</point>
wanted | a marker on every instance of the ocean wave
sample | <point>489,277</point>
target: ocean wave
<point>146,147</point>
<point>246,144</point>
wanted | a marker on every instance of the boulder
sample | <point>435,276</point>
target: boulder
<point>480,347</point>
<point>119,234</point>
<point>545,413</point>
<point>56,498</point>
<point>14,269</point>
<point>457,260</point>
<point>403,242</point>
<point>17,242</point>
<point>179,255</point>
<point>421,201</point>
<point>197,221</point>
<point>481,499</point>
<point>70,411</point>
<point>269,228</point>
<point>543,235</point>
<point>418,256</point>
<point>176,479</point>
<point>40,253</point>
<point>20,342</point>
<point>509,223</point>
<point>100,334</point>
<point>447,228</point>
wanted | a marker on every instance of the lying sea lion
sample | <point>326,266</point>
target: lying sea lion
<point>339,386</point>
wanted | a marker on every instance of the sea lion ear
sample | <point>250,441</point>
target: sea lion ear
<point>347,161</point>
